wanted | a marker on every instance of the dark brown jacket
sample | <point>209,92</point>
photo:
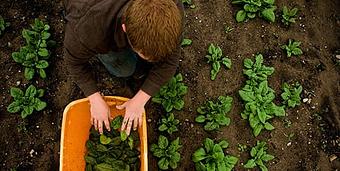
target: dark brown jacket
<point>94,27</point>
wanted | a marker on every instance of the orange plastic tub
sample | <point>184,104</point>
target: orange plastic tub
<point>75,132</point>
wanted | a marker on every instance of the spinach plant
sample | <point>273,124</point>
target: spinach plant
<point>3,25</point>
<point>291,94</point>
<point>168,153</point>
<point>189,2</point>
<point>214,114</point>
<point>293,48</point>
<point>215,59</point>
<point>109,151</point>
<point>26,102</point>
<point>186,42</point>
<point>169,124</point>
<point>258,96</point>
<point>289,15</point>
<point>259,156</point>
<point>33,56</point>
<point>171,95</point>
<point>211,157</point>
<point>251,8</point>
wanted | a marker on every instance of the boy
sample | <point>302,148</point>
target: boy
<point>118,32</point>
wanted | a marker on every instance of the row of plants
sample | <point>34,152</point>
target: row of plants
<point>33,57</point>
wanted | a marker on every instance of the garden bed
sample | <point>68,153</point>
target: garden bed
<point>33,143</point>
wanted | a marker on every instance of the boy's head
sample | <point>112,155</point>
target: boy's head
<point>153,27</point>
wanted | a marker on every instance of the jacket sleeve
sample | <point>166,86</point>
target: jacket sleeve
<point>161,73</point>
<point>77,58</point>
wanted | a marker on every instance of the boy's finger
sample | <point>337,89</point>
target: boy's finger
<point>91,121</point>
<point>135,124</point>
<point>95,123</point>
<point>107,124</point>
<point>120,107</point>
<point>100,126</point>
<point>124,123</point>
<point>140,120</point>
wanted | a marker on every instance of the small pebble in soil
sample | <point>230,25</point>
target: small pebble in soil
<point>18,83</point>
<point>289,144</point>
<point>305,100</point>
<point>332,157</point>
<point>31,152</point>
<point>191,125</point>
<point>313,107</point>
<point>37,126</point>
<point>149,120</point>
<point>9,44</point>
<point>186,120</point>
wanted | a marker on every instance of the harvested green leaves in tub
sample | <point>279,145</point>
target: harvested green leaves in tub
<point>110,152</point>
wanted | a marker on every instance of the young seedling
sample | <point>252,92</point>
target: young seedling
<point>288,15</point>
<point>258,96</point>
<point>171,95</point>
<point>189,2</point>
<point>214,114</point>
<point>211,157</point>
<point>228,29</point>
<point>3,25</point>
<point>169,124</point>
<point>168,153</point>
<point>186,42</point>
<point>26,102</point>
<point>251,8</point>
<point>291,95</point>
<point>34,54</point>
<point>215,58</point>
<point>242,147</point>
<point>293,48</point>
<point>259,157</point>
<point>108,151</point>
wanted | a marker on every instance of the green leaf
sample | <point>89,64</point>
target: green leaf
<point>157,100</point>
<point>116,123</point>
<point>27,111</point>
<point>103,167</point>
<point>163,142</point>
<point>200,119</point>
<point>42,64</point>
<point>186,42</point>
<point>248,63</point>
<point>163,127</point>
<point>250,164</point>
<point>42,73</point>
<point>14,107</point>
<point>270,2</point>
<point>163,164</point>
<point>29,73</point>
<point>104,139</point>
<point>18,57</point>
<point>247,96</point>
<point>267,157</point>
<point>45,35</point>
<point>199,155</point>
<point>208,144</point>
<point>173,164</point>
<point>268,126</point>
<point>297,51</point>
<point>253,152</point>
<point>123,135</point>
<point>269,14</point>
<point>43,52</point>
<point>257,130</point>
<point>223,144</point>
<point>211,166</point>
<point>262,115</point>
<point>231,159</point>
<point>216,66</point>
<point>179,104</point>
<point>90,160</point>
<point>31,91</point>
<point>176,157</point>
<point>39,105</point>
<point>40,92</point>
<point>16,93</point>
<point>221,166</point>
<point>179,77</point>
<point>226,62</point>
<point>241,16</point>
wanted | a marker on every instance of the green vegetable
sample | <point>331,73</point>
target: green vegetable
<point>289,15</point>
<point>291,95</point>
<point>251,8</point>
<point>171,95</point>
<point>258,96</point>
<point>293,48</point>
<point>33,56</point>
<point>186,42</point>
<point>26,102</point>
<point>169,124</point>
<point>215,59</point>
<point>167,152</point>
<point>211,157</point>
<point>187,2</point>
<point>3,25</point>
<point>214,114</point>
<point>108,152</point>
<point>259,157</point>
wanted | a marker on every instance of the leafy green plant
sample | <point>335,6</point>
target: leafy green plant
<point>289,15</point>
<point>211,157</point>
<point>3,25</point>
<point>215,59</point>
<point>189,2</point>
<point>26,102</point>
<point>34,54</point>
<point>186,42</point>
<point>171,95</point>
<point>108,151</point>
<point>242,147</point>
<point>293,48</point>
<point>291,94</point>
<point>258,96</point>
<point>168,153</point>
<point>169,124</point>
<point>214,114</point>
<point>259,156</point>
<point>251,8</point>
<point>228,29</point>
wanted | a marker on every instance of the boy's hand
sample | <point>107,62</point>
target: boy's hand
<point>134,109</point>
<point>100,112</point>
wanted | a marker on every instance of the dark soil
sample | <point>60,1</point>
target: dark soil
<point>33,143</point>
